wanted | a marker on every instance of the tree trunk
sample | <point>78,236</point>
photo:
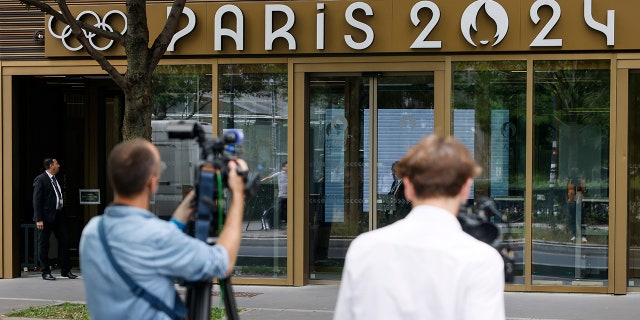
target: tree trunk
<point>137,112</point>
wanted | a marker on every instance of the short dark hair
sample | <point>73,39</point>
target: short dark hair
<point>47,163</point>
<point>438,166</point>
<point>130,165</point>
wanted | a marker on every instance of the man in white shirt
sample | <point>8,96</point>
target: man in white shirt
<point>425,266</point>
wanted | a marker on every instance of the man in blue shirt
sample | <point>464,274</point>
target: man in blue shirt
<point>153,252</point>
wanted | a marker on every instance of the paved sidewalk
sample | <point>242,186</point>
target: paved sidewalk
<point>316,302</point>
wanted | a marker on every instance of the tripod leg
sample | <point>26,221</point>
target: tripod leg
<point>199,300</point>
<point>229,299</point>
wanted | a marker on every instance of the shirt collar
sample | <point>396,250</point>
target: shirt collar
<point>429,213</point>
<point>119,211</point>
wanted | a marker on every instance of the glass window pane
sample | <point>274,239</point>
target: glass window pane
<point>253,99</point>
<point>178,92</point>
<point>489,117</point>
<point>337,108</point>
<point>570,171</point>
<point>404,115</point>
<point>182,92</point>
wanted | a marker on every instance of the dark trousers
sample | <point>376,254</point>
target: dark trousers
<point>571,217</point>
<point>59,229</point>
<point>282,209</point>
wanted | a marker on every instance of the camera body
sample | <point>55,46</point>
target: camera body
<point>212,173</point>
<point>476,221</point>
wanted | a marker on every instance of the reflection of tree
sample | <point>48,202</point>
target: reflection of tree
<point>485,86</point>
<point>577,92</point>
<point>573,96</point>
<point>254,97</point>
<point>182,91</point>
<point>242,82</point>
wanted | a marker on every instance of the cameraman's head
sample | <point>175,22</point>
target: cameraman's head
<point>134,168</point>
<point>438,168</point>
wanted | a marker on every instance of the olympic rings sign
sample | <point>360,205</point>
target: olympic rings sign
<point>100,23</point>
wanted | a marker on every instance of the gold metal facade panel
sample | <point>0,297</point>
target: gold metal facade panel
<point>195,43</point>
<point>506,26</point>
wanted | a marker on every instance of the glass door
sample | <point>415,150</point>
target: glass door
<point>356,121</point>
<point>404,115</point>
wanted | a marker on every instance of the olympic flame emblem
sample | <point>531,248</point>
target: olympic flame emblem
<point>495,11</point>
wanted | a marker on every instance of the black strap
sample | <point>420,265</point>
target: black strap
<point>178,312</point>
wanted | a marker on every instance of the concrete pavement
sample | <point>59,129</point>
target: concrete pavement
<point>316,302</point>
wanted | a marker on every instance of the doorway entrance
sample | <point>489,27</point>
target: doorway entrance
<point>359,125</point>
<point>74,119</point>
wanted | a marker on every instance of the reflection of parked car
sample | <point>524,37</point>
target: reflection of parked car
<point>181,157</point>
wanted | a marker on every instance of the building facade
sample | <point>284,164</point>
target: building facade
<point>544,93</point>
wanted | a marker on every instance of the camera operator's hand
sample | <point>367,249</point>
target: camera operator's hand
<point>236,181</point>
<point>232,231</point>
<point>184,212</point>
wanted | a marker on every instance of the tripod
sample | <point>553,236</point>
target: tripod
<point>208,212</point>
<point>199,299</point>
<point>210,178</point>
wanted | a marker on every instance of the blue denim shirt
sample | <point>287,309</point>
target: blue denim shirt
<point>152,251</point>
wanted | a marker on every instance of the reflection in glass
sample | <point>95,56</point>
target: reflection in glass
<point>340,151</point>
<point>404,116</point>
<point>178,92</point>
<point>181,92</point>
<point>253,99</point>
<point>570,171</point>
<point>489,117</point>
<point>633,255</point>
<point>337,105</point>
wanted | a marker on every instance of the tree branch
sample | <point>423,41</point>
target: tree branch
<point>76,30</point>
<point>160,44</point>
<point>43,7</point>
<point>95,54</point>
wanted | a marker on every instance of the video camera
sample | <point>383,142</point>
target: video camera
<point>215,152</point>
<point>476,221</point>
<point>211,178</point>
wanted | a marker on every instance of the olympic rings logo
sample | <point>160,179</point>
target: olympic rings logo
<point>100,23</point>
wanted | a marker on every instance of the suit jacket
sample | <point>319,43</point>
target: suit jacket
<point>44,199</point>
<point>397,190</point>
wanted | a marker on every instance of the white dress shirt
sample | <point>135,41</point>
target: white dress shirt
<point>55,184</point>
<point>421,267</point>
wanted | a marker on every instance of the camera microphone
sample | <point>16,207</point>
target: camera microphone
<point>233,136</point>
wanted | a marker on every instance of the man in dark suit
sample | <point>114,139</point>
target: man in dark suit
<point>49,216</point>
<point>402,206</point>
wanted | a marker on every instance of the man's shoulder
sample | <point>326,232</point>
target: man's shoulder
<point>39,177</point>
<point>92,226</point>
<point>375,237</point>
<point>476,250</point>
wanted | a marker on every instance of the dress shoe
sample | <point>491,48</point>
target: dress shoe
<point>69,275</point>
<point>48,276</point>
